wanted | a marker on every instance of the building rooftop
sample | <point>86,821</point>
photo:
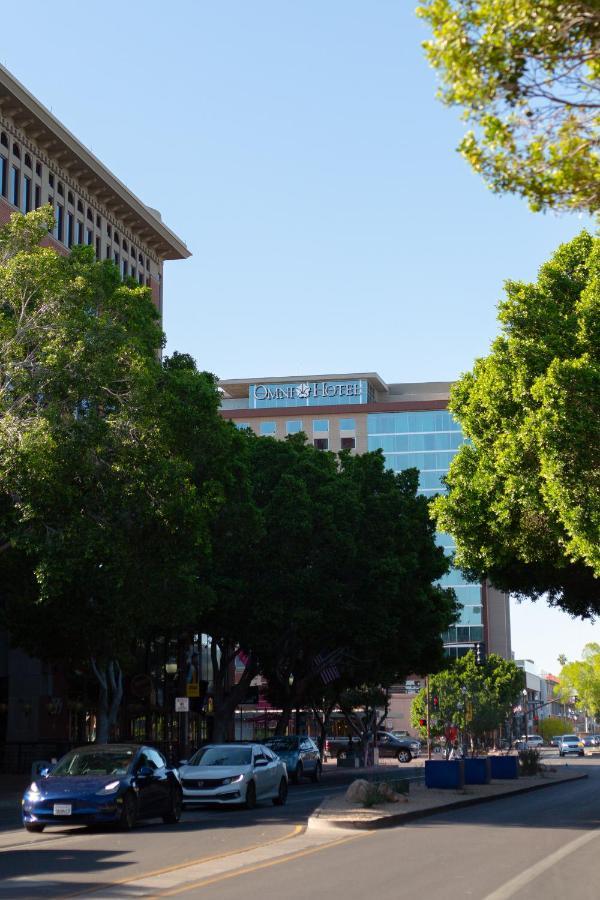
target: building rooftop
<point>38,123</point>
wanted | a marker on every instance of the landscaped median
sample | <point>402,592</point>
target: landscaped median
<point>421,801</point>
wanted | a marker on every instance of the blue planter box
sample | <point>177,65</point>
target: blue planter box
<point>477,770</point>
<point>504,766</point>
<point>445,773</point>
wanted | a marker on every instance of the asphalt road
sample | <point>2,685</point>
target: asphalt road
<point>540,845</point>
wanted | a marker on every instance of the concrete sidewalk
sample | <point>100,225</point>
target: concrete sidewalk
<point>422,801</point>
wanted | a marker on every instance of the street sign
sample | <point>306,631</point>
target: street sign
<point>192,689</point>
<point>182,704</point>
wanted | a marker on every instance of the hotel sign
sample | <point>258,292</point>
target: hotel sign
<point>307,390</point>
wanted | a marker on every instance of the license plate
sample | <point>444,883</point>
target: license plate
<point>62,809</point>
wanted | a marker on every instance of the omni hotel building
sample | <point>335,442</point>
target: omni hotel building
<point>410,423</point>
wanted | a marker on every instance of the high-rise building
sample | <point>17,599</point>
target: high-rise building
<point>410,424</point>
<point>42,162</point>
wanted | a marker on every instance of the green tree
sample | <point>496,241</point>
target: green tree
<point>527,74</point>
<point>101,526</point>
<point>477,699</point>
<point>524,492</point>
<point>581,679</point>
<point>552,726</point>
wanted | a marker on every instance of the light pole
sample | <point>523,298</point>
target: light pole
<point>171,672</point>
<point>525,712</point>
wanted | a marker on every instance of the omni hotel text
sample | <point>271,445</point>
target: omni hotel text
<point>410,424</point>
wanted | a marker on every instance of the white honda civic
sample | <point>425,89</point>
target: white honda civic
<point>230,774</point>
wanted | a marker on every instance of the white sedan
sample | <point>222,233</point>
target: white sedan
<point>230,774</point>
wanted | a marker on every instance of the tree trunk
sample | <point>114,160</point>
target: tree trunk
<point>110,679</point>
<point>226,697</point>
<point>284,718</point>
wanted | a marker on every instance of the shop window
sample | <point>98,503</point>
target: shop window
<point>321,443</point>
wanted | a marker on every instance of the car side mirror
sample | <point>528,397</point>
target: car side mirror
<point>259,763</point>
<point>46,771</point>
<point>145,772</point>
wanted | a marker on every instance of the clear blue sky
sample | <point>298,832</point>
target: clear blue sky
<point>298,149</point>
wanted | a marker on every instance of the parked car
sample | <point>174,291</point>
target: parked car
<point>590,740</point>
<point>232,774</point>
<point>118,783</point>
<point>300,755</point>
<point>570,743</point>
<point>530,742</point>
<point>403,749</point>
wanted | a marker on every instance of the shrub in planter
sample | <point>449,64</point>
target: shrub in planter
<point>529,762</point>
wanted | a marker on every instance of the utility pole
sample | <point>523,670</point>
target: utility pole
<point>428,720</point>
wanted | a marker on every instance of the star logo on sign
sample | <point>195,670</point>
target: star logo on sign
<point>303,391</point>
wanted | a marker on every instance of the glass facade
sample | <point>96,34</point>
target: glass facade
<point>309,393</point>
<point>428,441</point>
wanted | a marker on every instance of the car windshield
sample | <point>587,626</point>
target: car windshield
<point>222,756</point>
<point>95,762</point>
<point>280,744</point>
<point>570,737</point>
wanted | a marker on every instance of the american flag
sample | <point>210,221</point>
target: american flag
<point>325,665</point>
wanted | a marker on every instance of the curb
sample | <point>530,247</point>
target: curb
<point>401,818</point>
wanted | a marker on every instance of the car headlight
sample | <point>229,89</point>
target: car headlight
<point>233,780</point>
<point>110,788</point>
<point>33,789</point>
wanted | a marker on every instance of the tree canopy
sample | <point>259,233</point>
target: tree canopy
<point>527,74</point>
<point>476,699</point>
<point>581,679</point>
<point>102,527</point>
<point>524,492</point>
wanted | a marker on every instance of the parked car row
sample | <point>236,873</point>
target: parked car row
<point>389,745</point>
<point>121,783</point>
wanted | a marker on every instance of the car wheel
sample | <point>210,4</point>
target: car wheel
<point>129,812</point>
<point>560,754</point>
<point>581,753</point>
<point>282,793</point>
<point>175,806</point>
<point>316,775</point>
<point>404,756</point>
<point>36,829</point>
<point>297,773</point>
<point>250,801</point>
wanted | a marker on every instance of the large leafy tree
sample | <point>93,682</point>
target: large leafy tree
<point>581,679</point>
<point>335,581</point>
<point>476,699</point>
<point>101,525</point>
<point>524,493</point>
<point>527,74</point>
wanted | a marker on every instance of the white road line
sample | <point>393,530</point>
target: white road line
<point>510,888</point>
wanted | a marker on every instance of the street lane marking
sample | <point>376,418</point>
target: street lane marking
<point>246,870</point>
<point>510,888</point>
<point>297,829</point>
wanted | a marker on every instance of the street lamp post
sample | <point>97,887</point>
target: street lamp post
<point>171,672</point>
<point>525,712</point>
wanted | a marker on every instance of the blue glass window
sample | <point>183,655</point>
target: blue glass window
<point>294,426</point>
<point>26,198</point>
<point>268,428</point>
<point>320,424</point>
<point>3,170</point>
<point>59,222</point>
<point>79,233</point>
<point>242,425</point>
<point>14,185</point>
<point>89,237</point>
<point>347,425</point>
<point>70,229</point>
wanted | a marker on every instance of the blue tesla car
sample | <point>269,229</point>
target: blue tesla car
<point>104,783</point>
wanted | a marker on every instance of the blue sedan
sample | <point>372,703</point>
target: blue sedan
<point>104,783</point>
<point>299,753</point>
